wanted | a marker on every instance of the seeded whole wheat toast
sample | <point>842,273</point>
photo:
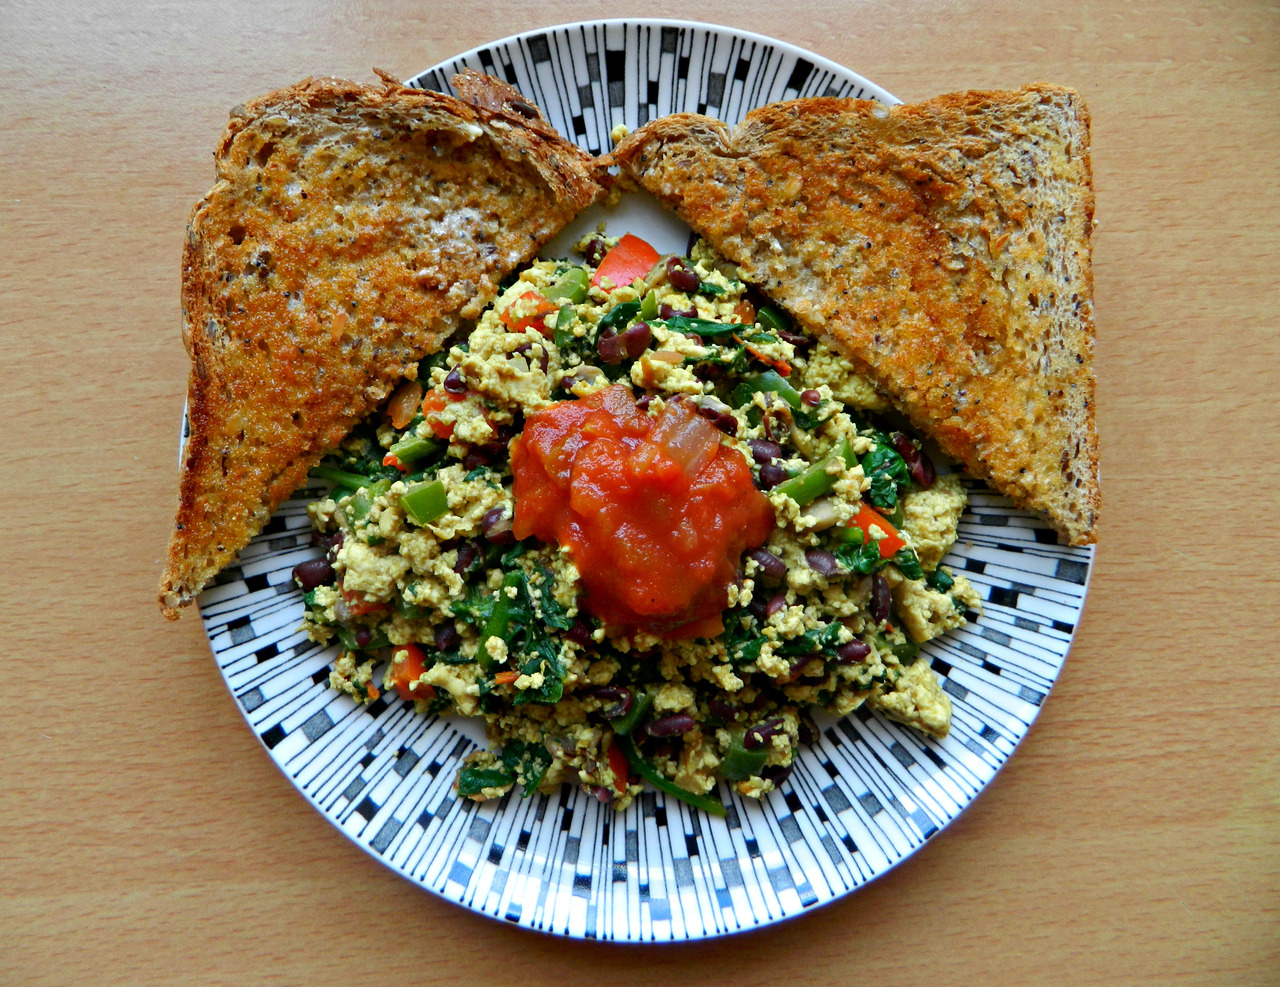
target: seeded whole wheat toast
<point>351,229</point>
<point>942,246</point>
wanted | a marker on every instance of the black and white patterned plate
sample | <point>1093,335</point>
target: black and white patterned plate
<point>864,797</point>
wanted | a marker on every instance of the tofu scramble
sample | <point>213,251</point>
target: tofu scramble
<point>644,528</point>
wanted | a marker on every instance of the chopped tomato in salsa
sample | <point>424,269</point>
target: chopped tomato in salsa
<point>654,512</point>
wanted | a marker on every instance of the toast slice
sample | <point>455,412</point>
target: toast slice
<point>351,229</point>
<point>943,247</point>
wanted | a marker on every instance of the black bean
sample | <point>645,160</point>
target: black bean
<point>776,773</point>
<point>770,565</point>
<point>330,542</point>
<point>722,709</point>
<point>446,636</point>
<point>853,652</point>
<point>629,344</point>
<point>756,609</point>
<point>617,700</point>
<point>496,526</point>
<point>474,459</point>
<point>636,339</point>
<point>881,599</point>
<point>797,339</point>
<point>774,605</point>
<point>666,311</point>
<point>689,244</point>
<point>595,251</point>
<point>721,419</point>
<point>313,573</point>
<point>919,465</point>
<point>811,398</point>
<point>579,633</point>
<point>806,732</point>
<point>814,668</point>
<point>682,276</point>
<point>544,360</point>
<point>671,726</point>
<point>771,474</point>
<point>644,402</point>
<point>466,558</point>
<point>363,636</point>
<point>822,562</point>
<point>762,732</point>
<point>454,382</point>
<point>502,434</point>
<point>800,667</point>
<point>610,347</point>
<point>764,451</point>
<point>603,794</point>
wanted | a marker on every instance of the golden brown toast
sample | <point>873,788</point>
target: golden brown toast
<point>943,247</point>
<point>351,229</point>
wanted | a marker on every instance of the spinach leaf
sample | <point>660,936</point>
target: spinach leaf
<point>818,640</point>
<point>476,607</point>
<point>908,563</point>
<point>472,781</point>
<point>700,327</point>
<point>887,472</point>
<point>527,627</point>
<point>864,558</point>
<point>617,318</point>
<point>741,637</point>
<point>939,580</point>
<point>527,763</point>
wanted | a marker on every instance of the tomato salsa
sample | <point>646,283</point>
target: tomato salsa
<point>654,511</point>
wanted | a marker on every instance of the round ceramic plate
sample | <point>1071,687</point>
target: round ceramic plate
<point>866,795</point>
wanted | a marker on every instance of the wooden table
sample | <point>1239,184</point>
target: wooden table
<point>1131,839</point>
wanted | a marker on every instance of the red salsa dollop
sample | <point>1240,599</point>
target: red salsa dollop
<point>654,512</point>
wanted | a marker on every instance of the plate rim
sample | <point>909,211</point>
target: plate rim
<point>819,61</point>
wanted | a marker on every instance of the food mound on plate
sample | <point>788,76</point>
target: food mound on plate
<point>644,528</point>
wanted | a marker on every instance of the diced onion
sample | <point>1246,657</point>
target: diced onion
<point>404,403</point>
<point>689,439</point>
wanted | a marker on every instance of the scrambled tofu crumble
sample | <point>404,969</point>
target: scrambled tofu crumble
<point>428,593</point>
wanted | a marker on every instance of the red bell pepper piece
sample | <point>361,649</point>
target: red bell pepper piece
<point>535,306</point>
<point>632,258</point>
<point>407,670</point>
<point>868,516</point>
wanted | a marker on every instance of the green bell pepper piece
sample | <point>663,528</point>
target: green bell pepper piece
<point>815,481</point>
<point>412,447</point>
<point>640,704</point>
<point>772,318</point>
<point>572,287</point>
<point>424,502</point>
<point>739,763</point>
<point>650,774</point>
<point>499,619</point>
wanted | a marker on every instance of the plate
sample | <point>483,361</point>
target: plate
<point>865,796</point>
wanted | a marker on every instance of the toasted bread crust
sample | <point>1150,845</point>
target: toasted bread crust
<point>351,229</point>
<point>943,247</point>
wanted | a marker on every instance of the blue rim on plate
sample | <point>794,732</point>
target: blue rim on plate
<point>866,795</point>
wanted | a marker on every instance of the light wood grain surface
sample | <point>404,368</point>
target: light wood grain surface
<point>146,837</point>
